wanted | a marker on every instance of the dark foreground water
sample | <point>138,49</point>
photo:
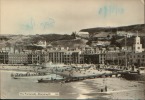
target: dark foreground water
<point>118,88</point>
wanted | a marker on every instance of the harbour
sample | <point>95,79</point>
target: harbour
<point>83,89</point>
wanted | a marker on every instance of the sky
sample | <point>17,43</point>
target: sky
<point>66,16</point>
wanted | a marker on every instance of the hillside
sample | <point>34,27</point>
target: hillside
<point>129,41</point>
<point>117,40</point>
<point>27,41</point>
<point>70,43</point>
<point>131,28</point>
<point>50,37</point>
<point>15,40</point>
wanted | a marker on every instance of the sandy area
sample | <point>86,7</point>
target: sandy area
<point>117,88</point>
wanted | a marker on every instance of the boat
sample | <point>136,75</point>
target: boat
<point>14,77</point>
<point>18,75</point>
<point>135,75</point>
<point>49,80</point>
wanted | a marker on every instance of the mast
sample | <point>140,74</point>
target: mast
<point>125,51</point>
<point>118,56</point>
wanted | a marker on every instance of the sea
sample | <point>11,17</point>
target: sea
<point>29,88</point>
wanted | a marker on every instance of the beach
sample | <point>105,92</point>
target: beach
<point>117,88</point>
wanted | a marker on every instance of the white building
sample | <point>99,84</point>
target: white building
<point>83,34</point>
<point>137,47</point>
<point>42,44</point>
<point>127,34</point>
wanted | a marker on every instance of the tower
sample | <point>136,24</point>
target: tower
<point>137,47</point>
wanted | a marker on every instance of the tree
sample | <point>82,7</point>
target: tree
<point>113,40</point>
<point>108,36</point>
<point>73,35</point>
<point>8,44</point>
<point>89,42</point>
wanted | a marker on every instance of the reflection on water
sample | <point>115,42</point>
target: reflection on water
<point>10,88</point>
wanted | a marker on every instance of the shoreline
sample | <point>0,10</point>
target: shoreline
<point>86,89</point>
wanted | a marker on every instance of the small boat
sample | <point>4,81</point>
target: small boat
<point>44,80</point>
<point>13,76</point>
<point>48,80</point>
<point>18,75</point>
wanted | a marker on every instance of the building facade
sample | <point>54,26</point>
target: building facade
<point>55,56</point>
<point>73,57</point>
<point>36,57</point>
<point>18,58</point>
<point>3,57</point>
<point>137,59</point>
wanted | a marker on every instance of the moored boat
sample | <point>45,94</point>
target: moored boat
<point>48,80</point>
<point>138,75</point>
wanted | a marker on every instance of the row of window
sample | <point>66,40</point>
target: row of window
<point>17,60</point>
<point>137,59</point>
<point>139,56</point>
<point>16,57</point>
